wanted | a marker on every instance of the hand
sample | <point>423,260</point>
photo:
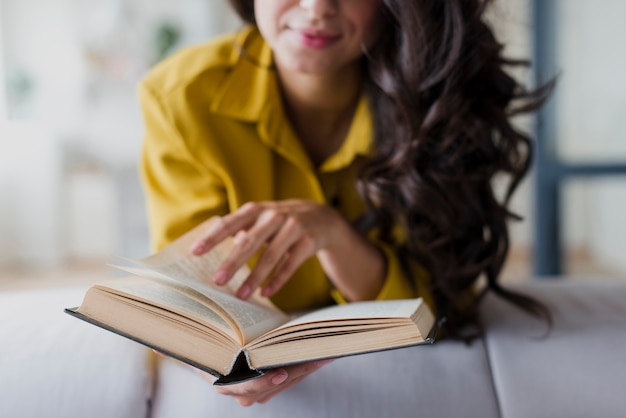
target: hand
<point>266,387</point>
<point>290,232</point>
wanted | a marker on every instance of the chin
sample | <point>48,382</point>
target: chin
<point>311,70</point>
<point>310,67</point>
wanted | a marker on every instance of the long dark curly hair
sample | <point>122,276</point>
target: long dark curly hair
<point>442,101</point>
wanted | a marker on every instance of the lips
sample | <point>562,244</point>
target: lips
<point>317,39</point>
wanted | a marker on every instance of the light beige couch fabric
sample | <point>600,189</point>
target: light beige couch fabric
<point>54,366</point>
<point>578,370</point>
<point>448,379</point>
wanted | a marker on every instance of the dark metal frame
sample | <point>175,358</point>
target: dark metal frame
<point>550,172</point>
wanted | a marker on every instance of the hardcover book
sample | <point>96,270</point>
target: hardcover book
<point>170,304</point>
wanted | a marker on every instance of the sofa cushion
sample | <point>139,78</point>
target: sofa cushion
<point>53,365</point>
<point>448,379</point>
<point>578,369</point>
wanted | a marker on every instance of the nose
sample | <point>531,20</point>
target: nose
<point>320,8</point>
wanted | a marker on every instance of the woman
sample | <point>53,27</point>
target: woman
<point>350,147</point>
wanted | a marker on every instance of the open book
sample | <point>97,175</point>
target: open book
<point>171,304</point>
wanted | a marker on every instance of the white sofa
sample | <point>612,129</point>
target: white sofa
<point>52,365</point>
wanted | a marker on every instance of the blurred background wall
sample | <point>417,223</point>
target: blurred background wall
<point>70,127</point>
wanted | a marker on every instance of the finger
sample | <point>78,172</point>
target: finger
<point>296,375</point>
<point>274,382</point>
<point>256,388</point>
<point>215,233</point>
<point>303,250</point>
<point>272,256</point>
<point>277,252</point>
<point>285,386</point>
<point>267,395</point>
<point>246,245</point>
<point>309,367</point>
<point>158,353</point>
<point>226,226</point>
<point>209,377</point>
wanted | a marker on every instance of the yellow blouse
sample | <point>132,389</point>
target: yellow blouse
<point>217,137</point>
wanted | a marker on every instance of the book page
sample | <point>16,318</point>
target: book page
<point>185,266</point>
<point>149,291</point>
<point>176,261</point>
<point>360,310</point>
<point>250,319</point>
<point>336,331</point>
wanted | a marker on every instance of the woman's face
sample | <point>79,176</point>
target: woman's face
<point>318,36</point>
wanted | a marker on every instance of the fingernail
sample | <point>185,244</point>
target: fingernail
<point>244,292</point>
<point>279,378</point>
<point>322,363</point>
<point>220,277</point>
<point>198,249</point>
<point>266,291</point>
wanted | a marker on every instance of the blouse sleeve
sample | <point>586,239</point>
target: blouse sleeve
<point>180,192</point>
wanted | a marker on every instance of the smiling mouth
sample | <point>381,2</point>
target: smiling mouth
<point>317,39</point>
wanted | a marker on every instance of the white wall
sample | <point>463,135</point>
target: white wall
<point>591,98</point>
<point>2,76</point>
<point>511,19</point>
<point>607,229</point>
<point>592,123</point>
<point>593,118</point>
<point>72,147</point>
<point>30,181</point>
<point>51,40</point>
<point>592,92</point>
